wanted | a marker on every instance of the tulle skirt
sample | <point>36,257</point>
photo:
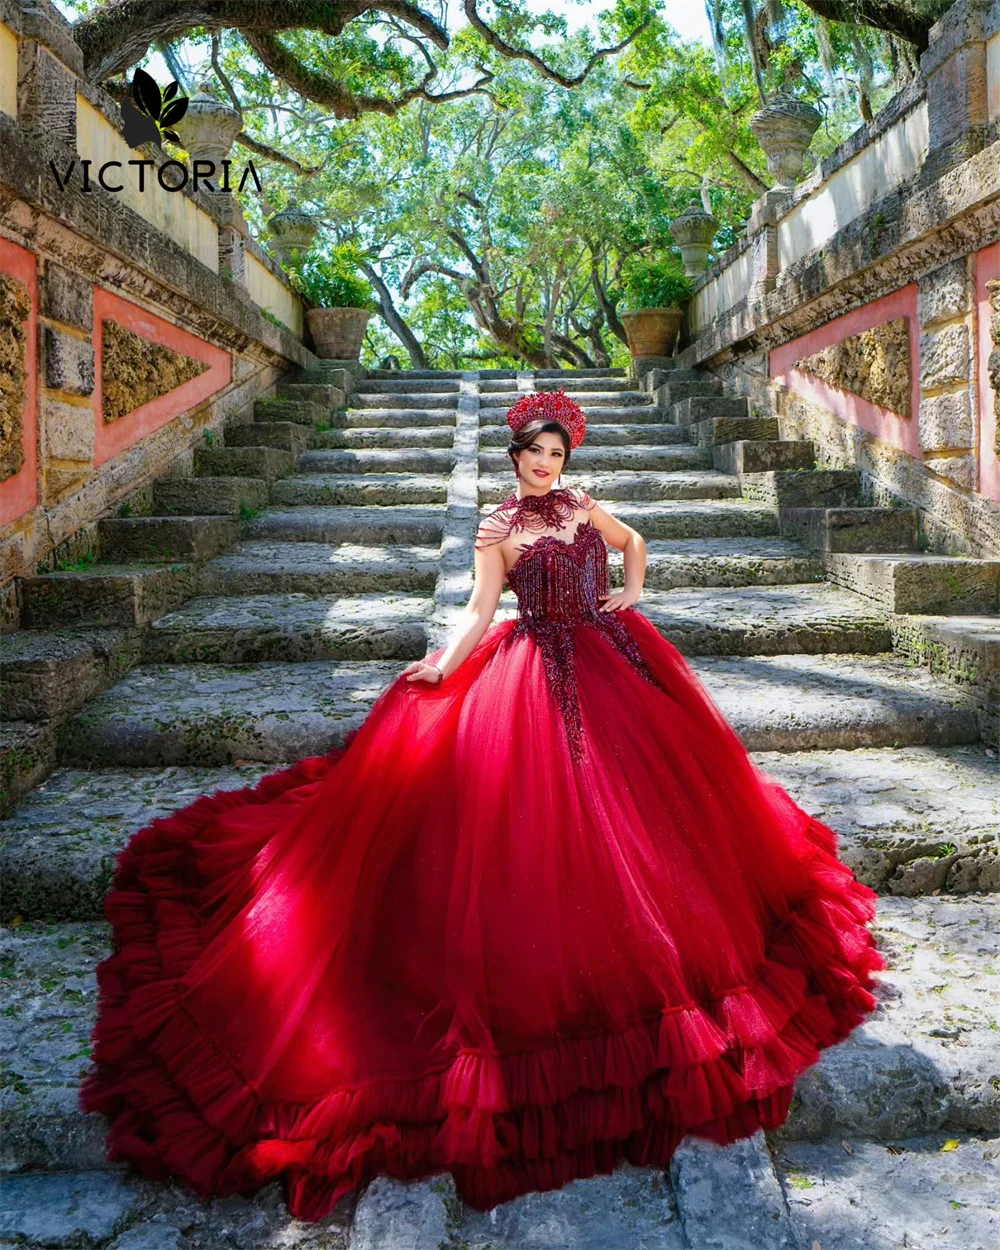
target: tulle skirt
<point>448,945</point>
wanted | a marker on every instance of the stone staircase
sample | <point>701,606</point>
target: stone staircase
<point>250,612</point>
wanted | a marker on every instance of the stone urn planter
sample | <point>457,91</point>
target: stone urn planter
<point>694,232</point>
<point>784,129</point>
<point>292,230</point>
<point>652,331</point>
<point>338,333</point>
<point>209,128</point>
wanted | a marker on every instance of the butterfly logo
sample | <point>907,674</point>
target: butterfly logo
<point>150,118</point>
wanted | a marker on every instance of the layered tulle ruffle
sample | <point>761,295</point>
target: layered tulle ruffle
<point>503,1118</point>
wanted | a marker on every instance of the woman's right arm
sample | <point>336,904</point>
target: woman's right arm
<point>473,621</point>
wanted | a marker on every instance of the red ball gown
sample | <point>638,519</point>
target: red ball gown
<point>529,922</point>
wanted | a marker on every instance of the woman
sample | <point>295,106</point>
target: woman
<point>539,915</point>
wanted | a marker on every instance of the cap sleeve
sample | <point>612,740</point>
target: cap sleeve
<point>493,529</point>
<point>583,500</point>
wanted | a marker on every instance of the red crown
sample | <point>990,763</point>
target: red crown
<point>550,406</point>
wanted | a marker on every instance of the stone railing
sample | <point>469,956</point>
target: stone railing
<point>858,306</point>
<point>135,312</point>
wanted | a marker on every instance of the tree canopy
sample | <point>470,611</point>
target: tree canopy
<point>495,167</point>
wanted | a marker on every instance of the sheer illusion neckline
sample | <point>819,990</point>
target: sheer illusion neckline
<point>562,542</point>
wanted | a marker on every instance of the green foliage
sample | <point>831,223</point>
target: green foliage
<point>511,223</point>
<point>275,321</point>
<point>80,565</point>
<point>333,281</point>
<point>654,284</point>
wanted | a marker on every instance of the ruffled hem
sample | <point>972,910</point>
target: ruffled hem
<point>502,1123</point>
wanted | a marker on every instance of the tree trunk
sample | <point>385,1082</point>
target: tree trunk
<point>610,316</point>
<point>394,321</point>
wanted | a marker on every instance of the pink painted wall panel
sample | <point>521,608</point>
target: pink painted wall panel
<point>110,440</point>
<point>19,494</point>
<point>987,268</point>
<point>890,427</point>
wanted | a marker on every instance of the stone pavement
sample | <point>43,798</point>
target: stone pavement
<point>251,613</point>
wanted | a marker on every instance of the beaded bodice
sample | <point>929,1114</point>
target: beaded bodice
<point>557,579</point>
<point>560,585</point>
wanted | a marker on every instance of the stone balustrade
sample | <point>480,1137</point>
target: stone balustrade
<point>881,260</point>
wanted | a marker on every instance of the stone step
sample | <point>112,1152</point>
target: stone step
<point>809,702</point>
<point>264,568</point>
<point>767,620</point>
<point>409,386</point>
<point>652,379</point>
<point>161,537</point>
<point>301,411</point>
<point>289,436</point>
<point>387,436</point>
<point>360,488</point>
<point>618,459</point>
<point>331,374</point>
<point>763,456</point>
<point>589,385</point>
<point>91,1207</point>
<point>704,407</point>
<point>853,529</point>
<point>589,401</point>
<point>27,756</point>
<point>49,673</point>
<point>636,415</point>
<point>722,562</point>
<point>674,390</point>
<point>717,430</point>
<point>267,464</point>
<point>904,582</point>
<point>391,418</point>
<point>208,714</point>
<point>209,496</point>
<point>420,524</point>
<point>710,518</point>
<point>924,1062</point>
<point>910,820</point>
<point>415,460</point>
<point>105,594</point>
<point>882,1199</point>
<point>755,620</point>
<point>892,808</point>
<point>600,435</point>
<point>961,649</point>
<point>507,385</point>
<point>326,397</point>
<point>685,484</point>
<point>297,626</point>
<point>567,375</point>
<point>443,375</point>
<point>386,400</point>
<point>804,488</point>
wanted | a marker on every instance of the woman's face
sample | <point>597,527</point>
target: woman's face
<point>541,462</point>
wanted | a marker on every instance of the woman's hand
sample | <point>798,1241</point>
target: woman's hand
<point>422,670</point>
<point>620,599</point>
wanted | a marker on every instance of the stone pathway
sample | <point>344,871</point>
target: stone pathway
<point>251,614</point>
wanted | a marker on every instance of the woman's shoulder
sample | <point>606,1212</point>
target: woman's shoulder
<point>495,526</point>
<point>581,498</point>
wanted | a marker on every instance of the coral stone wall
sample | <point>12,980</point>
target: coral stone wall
<point>127,323</point>
<point>862,306</point>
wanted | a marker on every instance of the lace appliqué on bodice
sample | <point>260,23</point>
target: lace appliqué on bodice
<point>560,585</point>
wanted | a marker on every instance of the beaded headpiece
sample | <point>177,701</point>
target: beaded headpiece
<point>550,406</point>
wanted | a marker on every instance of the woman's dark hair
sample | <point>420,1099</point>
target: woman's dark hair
<point>527,434</point>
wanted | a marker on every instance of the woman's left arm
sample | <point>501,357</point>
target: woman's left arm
<point>633,545</point>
